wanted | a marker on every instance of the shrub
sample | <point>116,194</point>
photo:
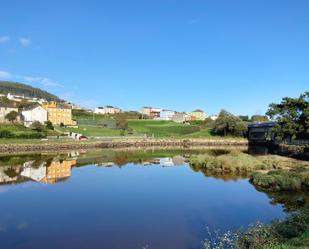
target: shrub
<point>6,134</point>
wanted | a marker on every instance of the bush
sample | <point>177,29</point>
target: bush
<point>6,134</point>
<point>37,126</point>
<point>291,232</point>
<point>282,180</point>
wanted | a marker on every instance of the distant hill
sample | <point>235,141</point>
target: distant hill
<point>29,91</point>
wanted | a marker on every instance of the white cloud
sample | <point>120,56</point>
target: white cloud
<point>4,39</point>
<point>25,41</point>
<point>44,81</point>
<point>5,75</point>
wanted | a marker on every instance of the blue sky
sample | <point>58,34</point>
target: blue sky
<point>183,55</point>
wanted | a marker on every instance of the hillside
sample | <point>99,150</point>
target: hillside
<point>29,91</point>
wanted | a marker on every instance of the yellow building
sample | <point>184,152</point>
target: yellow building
<point>58,170</point>
<point>59,113</point>
<point>198,115</point>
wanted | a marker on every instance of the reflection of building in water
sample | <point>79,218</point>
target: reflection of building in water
<point>73,154</point>
<point>176,160</point>
<point>58,170</point>
<point>166,162</point>
<point>179,160</point>
<point>151,161</point>
<point>35,173</point>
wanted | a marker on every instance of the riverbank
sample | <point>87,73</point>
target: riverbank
<point>271,172</point>
<point>57,145</point>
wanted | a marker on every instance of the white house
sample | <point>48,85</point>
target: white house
<point>34,113</point>
<point>6,109</point>
<point>107,110</point>
<point>166,114</point>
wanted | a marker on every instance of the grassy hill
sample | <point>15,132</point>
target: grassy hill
<point>29,91</point>
<point>158,129</point>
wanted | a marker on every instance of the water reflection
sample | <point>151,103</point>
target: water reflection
<point>49,171</point>
<point>146,197</point>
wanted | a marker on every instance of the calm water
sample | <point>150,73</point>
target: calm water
<point>65,201</point>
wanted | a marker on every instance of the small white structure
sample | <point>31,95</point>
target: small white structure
<point>34,113</point>
<point>213,117</point>
<point>107,110</point>
<point>166,114</point>
<point>15,97</point>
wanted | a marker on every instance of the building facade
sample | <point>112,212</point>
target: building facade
<point>167,114</point>
<point>59,113</point>
<point>198,115</point>
<point>58,170</point>
<point>151,112</point>
<point>181,117</point>
<point>34,114</point>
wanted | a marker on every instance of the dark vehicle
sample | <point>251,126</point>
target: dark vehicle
<point>261,133</point>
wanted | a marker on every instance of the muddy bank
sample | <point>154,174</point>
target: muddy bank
<point>124,143</point>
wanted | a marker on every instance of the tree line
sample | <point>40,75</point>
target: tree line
<point>23,89</point>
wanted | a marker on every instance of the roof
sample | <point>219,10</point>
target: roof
<point>198,110</point>
<point>63,106</point>
<point>268,124</point>
<point>31,107</point>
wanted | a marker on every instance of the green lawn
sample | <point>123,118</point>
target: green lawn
<point>157,128</point>
<point>92,130</point>
<point>164,128</point>
<point>138,128</point>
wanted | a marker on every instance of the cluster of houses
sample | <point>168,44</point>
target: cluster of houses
<point>160,114</point>
<point>55,112</point>
<point>19,98</point>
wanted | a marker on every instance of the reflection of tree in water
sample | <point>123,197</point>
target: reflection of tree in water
<point>11,172</point>
<point>219,174</point>
<point>291,200</point>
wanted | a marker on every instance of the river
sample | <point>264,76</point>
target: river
<point>121,199</point>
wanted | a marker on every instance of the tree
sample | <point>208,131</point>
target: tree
<point>259,118</point>
<point>121,121</point>
<point>11,116</point>
<point>228,124</point>
<point>37,126</point>
<point>244,118</point>
<point>49,125</point>
<point>292,117</point>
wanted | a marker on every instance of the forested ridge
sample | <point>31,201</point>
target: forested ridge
<point>29,91</point>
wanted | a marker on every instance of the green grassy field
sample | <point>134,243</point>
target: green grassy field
<point>156,128</point>
<point>19,129</point>
<point>167,129</point>
<point>137,128</point>
<point>92,130</point>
